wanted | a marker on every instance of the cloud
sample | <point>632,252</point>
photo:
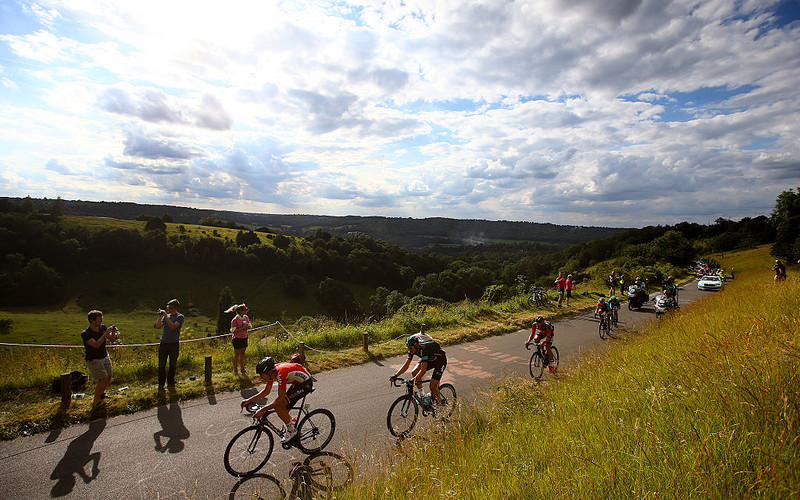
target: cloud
<point>154,106</point>
<point>139,145</point>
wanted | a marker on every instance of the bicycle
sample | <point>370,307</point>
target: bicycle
<point>604,328</point>
<point>403,413</point>
<point>251,447</point>
<point>615,317</point>
<point>539,359</point>
<point>539,297</point>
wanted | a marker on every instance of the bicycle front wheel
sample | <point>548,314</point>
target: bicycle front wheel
<point>601,329</point>
<point>536,365</point>
<point>402,415</point>
<point>448,393</point>
<point>248,451</point>
<point>315,430</point>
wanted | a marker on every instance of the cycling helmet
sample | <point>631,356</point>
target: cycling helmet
<point>671,279</point>
<point>412,341</point>
<point>266,365</point>
<point>296,359</point>
<point>539,319</point>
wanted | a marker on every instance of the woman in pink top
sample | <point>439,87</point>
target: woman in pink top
<point>239,326</point>
<point>570,286</point>
<point>560,286</point>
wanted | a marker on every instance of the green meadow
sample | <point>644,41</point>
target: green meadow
<point>704,403</point>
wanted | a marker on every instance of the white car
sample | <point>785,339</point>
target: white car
<point>710,282</point>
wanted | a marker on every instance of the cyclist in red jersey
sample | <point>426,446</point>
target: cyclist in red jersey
<point>542,331</point>
<point>291,375</point>
<point>602,309</point>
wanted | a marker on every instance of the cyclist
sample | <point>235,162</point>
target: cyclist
<point>670,289</point>
<point>285,374</point>
<point>602,309</point>
<point>431,357</point>
<point>613,304</point>
<point>613,280</point>
<point>543,331</point>
<point>780,271</point>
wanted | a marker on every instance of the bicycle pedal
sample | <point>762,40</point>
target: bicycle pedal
<point>286,446</point>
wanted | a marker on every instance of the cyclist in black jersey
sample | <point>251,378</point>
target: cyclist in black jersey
<point>431,357</point>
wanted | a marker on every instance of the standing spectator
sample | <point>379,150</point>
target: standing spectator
<point>171,321</point>
<point>239,326</point>
<point>622,283</point>
<point>612,283</point>
<point>561,286</point>
<point>97,359</point>
<point>569,284</point>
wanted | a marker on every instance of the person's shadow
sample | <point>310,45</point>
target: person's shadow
<point>76,458</point>
<point>172,428</point>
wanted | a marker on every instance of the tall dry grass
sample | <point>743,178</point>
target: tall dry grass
<point>705,403</point>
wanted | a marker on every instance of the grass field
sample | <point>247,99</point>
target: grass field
<point>705,403</point>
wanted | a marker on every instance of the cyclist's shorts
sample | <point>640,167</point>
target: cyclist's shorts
<point>297,391</point>
<point>547,337</point>
<point>561,291</point>
<point>438,367</point>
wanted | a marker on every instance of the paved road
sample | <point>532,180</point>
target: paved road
<point>176,451</point>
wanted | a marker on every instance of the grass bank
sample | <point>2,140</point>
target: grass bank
<point>705,403</point>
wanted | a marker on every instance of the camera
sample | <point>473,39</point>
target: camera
<point>161,311</point>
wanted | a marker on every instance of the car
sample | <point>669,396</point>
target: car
<point>710,282</point>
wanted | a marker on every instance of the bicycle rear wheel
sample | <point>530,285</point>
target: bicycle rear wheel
<point>315,430</point>
<point>536,365</point>
<point>402,415</point>
<point>555,362</point>
<point>448,393</point>
<point>601,328</point>
<point>248,451</point>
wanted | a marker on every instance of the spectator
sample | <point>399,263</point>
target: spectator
<point>569,285</point>
<point>561,286</point>
<point>239,326</point>
<point>170,321</point>
<point>612,283</point>
<point>780,271</point>
<point>622,283</point>
<point>97,359</point>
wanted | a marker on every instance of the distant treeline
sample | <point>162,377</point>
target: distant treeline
<point>38,248</point>
<point>409,233</point>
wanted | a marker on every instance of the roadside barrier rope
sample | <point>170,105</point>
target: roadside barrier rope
<point>278,323</point>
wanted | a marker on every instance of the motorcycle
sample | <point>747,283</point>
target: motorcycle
<point>636,297</point>
<point>664,303</point>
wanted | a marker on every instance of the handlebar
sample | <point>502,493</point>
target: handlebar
<point>398,381</point>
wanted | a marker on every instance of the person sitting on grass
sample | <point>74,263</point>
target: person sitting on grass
<point>97,359</point>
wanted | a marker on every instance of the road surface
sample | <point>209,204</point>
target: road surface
<point>175,451</point>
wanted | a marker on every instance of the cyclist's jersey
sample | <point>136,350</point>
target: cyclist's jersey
<point>545,329</point>
<point>780,269</point>
<point>602,306</point>
<point>291,373</point>
<point>671,291</point>
<point>431,352</point>
<point>561,283</point>
<point>613,303</point>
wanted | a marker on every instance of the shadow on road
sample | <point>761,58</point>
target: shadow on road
<point>78,455</point>
<point>172,428</point>
<point>317,476</point>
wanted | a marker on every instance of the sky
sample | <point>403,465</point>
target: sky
<point>620,113</point>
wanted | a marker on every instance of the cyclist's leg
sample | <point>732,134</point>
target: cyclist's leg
<point>436,377</point>
<point>548,341</point>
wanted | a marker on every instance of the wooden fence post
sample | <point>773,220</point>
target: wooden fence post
<point>208,369</point>
<point>366,342</point>
<point>66,389</point>
<point>302,352</point>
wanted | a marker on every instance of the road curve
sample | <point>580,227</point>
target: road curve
<point>175,451</point>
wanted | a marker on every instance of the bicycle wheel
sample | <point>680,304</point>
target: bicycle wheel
<point>555,362</point>
<point>600,329</point>
<point>402,415</point>
<point>315,430</point>
<point>536,365</point>
<point>248,451</point>
<point>448,393</point>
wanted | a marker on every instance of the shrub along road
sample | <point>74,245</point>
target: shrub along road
<point>175,451</point>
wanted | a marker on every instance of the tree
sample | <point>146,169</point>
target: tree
<point>786,220</point>
<point>155,224</point>
<point>244,239</point>
<point>224,319</point>
<point>337,298</point>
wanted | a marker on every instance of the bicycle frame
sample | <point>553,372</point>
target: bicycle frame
<point>410,383</point>
<point>264,420</point>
